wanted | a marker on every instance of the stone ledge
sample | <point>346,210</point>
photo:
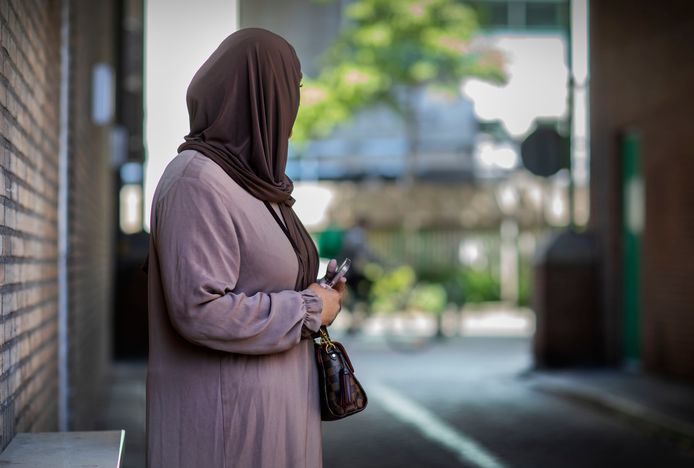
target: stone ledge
<point>97,449</point>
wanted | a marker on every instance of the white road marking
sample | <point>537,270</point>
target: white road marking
<point>432,427</point>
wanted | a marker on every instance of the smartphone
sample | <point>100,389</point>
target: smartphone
<point>330,281</point>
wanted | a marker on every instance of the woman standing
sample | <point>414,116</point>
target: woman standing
<point>232,295</point>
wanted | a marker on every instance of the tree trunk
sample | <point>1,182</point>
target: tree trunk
<point>412,123</point>
<point>439,327</point>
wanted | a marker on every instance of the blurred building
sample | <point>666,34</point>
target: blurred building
<point>640,196</point>
<point>642,204</point>
<point>69,120</point>
<point>453,146</point>
<point>468,179</point>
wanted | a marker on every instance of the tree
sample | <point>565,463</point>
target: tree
<point>389,53</point>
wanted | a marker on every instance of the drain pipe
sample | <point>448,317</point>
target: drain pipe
<point>63,227</point>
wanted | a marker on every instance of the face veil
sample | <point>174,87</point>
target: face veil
<point>242,104</point>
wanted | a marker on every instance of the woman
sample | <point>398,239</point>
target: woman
<point>232,295</point>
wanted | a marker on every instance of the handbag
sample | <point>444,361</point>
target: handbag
<point>341,394</point>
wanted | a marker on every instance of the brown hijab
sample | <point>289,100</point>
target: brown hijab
<point>242,104</point>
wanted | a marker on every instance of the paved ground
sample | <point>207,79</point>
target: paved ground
<point>479,389</point>
<point>124,408</point>
<point>465,402</point>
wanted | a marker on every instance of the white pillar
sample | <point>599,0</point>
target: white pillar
<point>509,260</point>
<point>580,148</point>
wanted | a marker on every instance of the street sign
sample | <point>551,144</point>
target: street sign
<point>544,152</point>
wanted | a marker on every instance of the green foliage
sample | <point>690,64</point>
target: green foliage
<point>466,285</point>
<point>373,271</point>
<point>479,286</point>
<point>390,291</point>
<point>430,290</point>
<point>428,297</point>
<point>389,49</point>
<point>319,111</point>
<point>410,41</point>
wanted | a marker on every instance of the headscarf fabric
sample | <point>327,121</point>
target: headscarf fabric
<point>242,104</point>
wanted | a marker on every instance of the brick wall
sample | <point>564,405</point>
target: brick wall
<point>29,87</point>
<point>91,215</point>
<point>642,70</point>
<point>29,140</point>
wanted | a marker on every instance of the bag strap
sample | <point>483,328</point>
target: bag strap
<point>291,241</point>
<point>323,338</point>
<point>281,224</point>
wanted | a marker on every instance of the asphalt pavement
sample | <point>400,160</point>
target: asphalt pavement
<point>463,402</point>
<point>472,402</point>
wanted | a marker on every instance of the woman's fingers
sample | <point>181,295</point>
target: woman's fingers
<point>341,286</point>
<point>331,302</point>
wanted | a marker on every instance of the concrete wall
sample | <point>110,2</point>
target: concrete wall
<point>308,25</point>
<point>642,70</point>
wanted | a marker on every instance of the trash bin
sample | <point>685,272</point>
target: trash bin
<point>566,302</point>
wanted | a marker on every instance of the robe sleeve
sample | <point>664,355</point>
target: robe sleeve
<point>198,253</point>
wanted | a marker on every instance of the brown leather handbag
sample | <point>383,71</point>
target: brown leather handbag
<point>341,394</point>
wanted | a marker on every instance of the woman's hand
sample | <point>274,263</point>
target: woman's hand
<point>331,297</point>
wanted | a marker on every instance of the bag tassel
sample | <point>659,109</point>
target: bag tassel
<point>346,387</point>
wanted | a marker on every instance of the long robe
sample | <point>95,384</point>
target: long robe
<point>230,382</point>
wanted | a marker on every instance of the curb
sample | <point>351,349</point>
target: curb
<point>643,417</point>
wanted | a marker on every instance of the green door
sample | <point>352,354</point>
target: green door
<point>633,220</point>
